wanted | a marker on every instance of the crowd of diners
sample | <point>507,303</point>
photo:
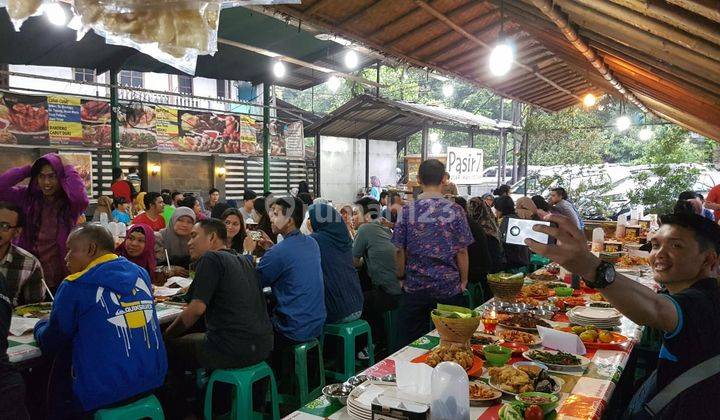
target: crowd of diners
<point>271,272</point>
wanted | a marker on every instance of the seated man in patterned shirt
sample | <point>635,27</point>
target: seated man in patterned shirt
<point>22,271</point>
<point>431,236</point>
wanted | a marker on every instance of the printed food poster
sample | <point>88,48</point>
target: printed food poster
<point>64,124</point>
<point>24,120</point>
<point>95,118</point>
<point>208,132</point>
<point>82,161</point>
<point>137,126</point>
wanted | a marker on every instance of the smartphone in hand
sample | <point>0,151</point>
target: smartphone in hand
<point>520,229</point>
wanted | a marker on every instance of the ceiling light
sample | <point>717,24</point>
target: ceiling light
<point>351,59</point>
<point>501,59</point>
<point>433,137</point>
<point>55,14</point>
<point>279,69</point>
<point>623,123</point>
<point>436,149</point>
<point>334,83</point>
<point>448,89</point>
<point>589,100</point>
<point>645,133</point>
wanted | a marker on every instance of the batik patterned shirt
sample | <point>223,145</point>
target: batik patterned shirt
<point>432,231</point>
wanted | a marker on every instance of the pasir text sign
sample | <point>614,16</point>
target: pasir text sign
<point>465,165</point>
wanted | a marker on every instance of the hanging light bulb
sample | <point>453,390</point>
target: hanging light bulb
<point>623,123</point>
<point>645,133</point>
<point>448,89</point>
<point>351,59</point>
<point>433,137</point>
<point>589,100</point>
<point>436,149</point>
<point>55,14</point>
<point>501,59</point>
<point>334,83</point>
<point>279,69</point>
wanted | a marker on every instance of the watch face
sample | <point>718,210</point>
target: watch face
<point>609,273</point>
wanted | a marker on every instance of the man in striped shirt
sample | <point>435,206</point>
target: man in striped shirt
<point>22,271</point>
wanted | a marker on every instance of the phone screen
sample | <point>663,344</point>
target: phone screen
<point>520,229</point>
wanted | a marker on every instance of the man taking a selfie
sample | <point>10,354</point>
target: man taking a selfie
<point>684,258</point>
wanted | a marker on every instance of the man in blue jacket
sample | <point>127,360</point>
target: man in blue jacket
<point>103,329</point>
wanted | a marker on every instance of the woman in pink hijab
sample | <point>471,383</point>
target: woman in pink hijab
<point>139,247</point>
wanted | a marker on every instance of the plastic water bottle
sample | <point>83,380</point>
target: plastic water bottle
<point>449,390</point>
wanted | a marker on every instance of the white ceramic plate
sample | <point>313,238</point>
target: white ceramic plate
<point>584,362</point>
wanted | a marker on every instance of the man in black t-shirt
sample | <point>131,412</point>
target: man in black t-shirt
<point>226,291</point>
<point>12,387</point>
<point>684,259</point>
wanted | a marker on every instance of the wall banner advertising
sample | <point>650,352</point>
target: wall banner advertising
<point>24,120</point>
<point>294,139</point>
<point>71,121</point>
<point>465,165</point>
<point>82,161</point>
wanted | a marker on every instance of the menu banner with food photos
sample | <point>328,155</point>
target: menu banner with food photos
<point>69,120</point>
<point>82,161</point>
<point>64,126</point>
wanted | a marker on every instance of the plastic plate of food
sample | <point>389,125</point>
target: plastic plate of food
<point>595,338</point>
<point>464,357</point>
<point>513,381</point>
<point>523,322</point>
<point>558,361</point>
<point>34,310</point>
<point>519,337</point>
<point>482,394</point>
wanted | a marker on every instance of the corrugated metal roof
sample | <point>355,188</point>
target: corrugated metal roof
<point>384,119</point>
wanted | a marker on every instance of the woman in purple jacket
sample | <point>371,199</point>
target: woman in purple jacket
<point>52,201</point>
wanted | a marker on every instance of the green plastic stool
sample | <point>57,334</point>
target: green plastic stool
<point>300,352</point>
<point>243,380</point>
<point>477,296</point>
<point>538,261</point>
<point>390,319</point>
<point>348,332</point>
<point>148,407</point>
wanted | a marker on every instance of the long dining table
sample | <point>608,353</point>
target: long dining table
<point>584,395</point>
<point>24,350</point>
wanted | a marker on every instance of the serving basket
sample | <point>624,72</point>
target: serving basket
<point>506,289</point>
<point>456,330</point>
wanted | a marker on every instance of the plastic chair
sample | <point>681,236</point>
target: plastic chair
<point>305,394</point>
<point>537,262</point>
<point>243,380</point>
<point>348,332</point>
<point>148,407</point>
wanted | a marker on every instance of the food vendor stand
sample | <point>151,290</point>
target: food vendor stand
<point>375,118</point>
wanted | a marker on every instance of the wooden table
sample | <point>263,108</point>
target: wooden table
<point>584,396</point>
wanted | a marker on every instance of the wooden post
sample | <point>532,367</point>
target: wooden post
<point>367,162</point>
<point>424,145</point>
<point>317,164</point>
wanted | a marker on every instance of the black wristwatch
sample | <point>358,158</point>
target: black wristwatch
<point>604,276</point>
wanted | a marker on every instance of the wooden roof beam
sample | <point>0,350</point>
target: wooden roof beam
<point>425,26</point>
<point>708,8</point>
<point>624,33</point>
<point>528,91</point>
<point>447,39</point>
<point>482,43</point>
<point>297,16</point>
<point>314,7</point>
<point>359,13</point>
<point>522,78</point>
<point>562,22</point>
<point>480,55</point>
<point>674,16</point>
<point>652,26</point>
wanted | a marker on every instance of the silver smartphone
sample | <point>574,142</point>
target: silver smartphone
<point>520,229</point>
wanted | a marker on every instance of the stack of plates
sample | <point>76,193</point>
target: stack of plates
<point>603,318</point>
<point>357,406</point>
